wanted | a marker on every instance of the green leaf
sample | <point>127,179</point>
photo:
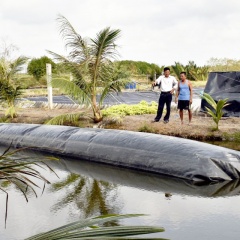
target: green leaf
<point>77,230</point>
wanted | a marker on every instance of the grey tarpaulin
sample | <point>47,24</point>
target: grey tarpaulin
<point>133,178</point>
<point>221,85</point>
<point>160,154</point>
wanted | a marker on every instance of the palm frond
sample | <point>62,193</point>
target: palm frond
<point>17,65</point>
<point>79,71</point>
<point>70,117</point>
<point>20,172</point>
<point>104,44</point>
<point>79,50</point>
<point>209,100</point>
<point>77,230</point>
<point>70,88</point>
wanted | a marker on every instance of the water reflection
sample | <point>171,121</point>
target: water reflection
<point>90,196</point>
<point>186,210</point>
<point>148,181</point>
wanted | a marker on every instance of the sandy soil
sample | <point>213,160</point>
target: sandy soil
<point>201,127</point>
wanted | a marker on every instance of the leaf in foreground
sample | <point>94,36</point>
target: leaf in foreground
<point>87,229</point>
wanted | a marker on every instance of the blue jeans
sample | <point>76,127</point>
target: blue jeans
<point>164,98</point>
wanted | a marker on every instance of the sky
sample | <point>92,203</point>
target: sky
<point>156,31</point>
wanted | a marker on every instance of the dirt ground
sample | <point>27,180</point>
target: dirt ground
<point>200,128</point>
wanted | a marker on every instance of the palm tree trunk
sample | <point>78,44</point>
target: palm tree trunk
<point>97,115</point>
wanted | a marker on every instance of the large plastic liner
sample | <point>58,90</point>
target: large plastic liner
<point>171,156</point>
<point>133,178</point>
<point>221,85</point>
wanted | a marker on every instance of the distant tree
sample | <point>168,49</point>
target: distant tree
<point>224,64</point>
<point>37,66</point>
<point>194,72</point>
<point>141,68</point>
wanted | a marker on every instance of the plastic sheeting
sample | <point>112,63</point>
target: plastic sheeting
<point>171,156</point>
<point>133,178</point>
<point>221,85</point>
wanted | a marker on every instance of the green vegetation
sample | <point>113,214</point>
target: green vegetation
<point>217,111</point>
<point>138,68</point>
<point>194,72</point>
<point>90,63</point>
<point>147,128</point>
<point>232,137</point>
<point>9,91</point>
<point>223,64</point>
<point>37,67</point>
<point>90,229</point>
<point>21,173</point>
<point>124,109</point>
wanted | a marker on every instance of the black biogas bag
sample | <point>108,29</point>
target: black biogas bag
<point>221,85</point>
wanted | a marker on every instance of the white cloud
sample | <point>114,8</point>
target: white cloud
<point>152,30</point>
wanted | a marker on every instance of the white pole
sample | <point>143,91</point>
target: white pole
<point>49,85</point>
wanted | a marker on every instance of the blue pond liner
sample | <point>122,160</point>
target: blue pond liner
<point>165,155</point>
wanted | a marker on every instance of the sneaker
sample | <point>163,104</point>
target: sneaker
<point>166,121</point>
<point>153,121</point>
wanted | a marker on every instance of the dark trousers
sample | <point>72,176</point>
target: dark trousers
<point>164,98</point>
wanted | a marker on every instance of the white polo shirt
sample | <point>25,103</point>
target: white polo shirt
<point>167,83</point>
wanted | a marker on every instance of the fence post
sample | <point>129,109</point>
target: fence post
<point>49,85</point>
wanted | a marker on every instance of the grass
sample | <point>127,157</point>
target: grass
<point>147,128</point>
<point>234,137</point>
<point>39,92</point>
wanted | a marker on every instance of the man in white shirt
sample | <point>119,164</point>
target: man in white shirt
<point>168,84</point>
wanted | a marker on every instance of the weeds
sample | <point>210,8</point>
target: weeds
<point>147,128</point>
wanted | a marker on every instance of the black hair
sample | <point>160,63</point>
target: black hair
<point>183,73</point>
<point>166,68</point>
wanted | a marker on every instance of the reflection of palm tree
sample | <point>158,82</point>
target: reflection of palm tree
<point>91,197</point>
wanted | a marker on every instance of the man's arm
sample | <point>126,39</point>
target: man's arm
<point>177,93</point>
<point>175,85</point>
<point>158,80</point>
<point>191,91</point>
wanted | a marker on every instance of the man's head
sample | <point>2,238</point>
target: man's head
<point>183,76</point>
<point>166,71</point>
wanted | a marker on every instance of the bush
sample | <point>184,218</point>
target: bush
<point>124,109</point>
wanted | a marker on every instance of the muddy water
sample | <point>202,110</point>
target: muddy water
<point>83,190</point>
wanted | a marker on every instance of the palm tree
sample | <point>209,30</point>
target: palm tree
<point>177,68</point>
<point>20,172</point>
<point>215,109</point>
<point>89,195</point>
<point>8,91</point>
<point>91,63</point>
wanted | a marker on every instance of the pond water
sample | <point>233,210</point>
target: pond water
<point>84,189</point>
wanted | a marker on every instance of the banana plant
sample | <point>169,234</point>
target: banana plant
<point>217,108</point>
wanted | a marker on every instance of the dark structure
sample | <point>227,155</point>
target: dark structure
<point>221,85</point>
<point>152,153</point>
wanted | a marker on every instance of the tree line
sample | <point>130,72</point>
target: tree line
<point>93,67</point>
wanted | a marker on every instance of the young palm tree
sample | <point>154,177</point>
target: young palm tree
<point>216,111</point>
<point>90,62</point>
<point>8,91</point>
